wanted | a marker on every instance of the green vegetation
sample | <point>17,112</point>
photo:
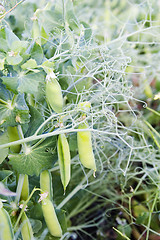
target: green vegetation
<point>79,119</point>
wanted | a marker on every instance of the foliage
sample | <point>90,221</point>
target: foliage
<point>101,52</point>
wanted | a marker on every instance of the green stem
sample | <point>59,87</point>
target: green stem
<point>4,102</point>
<point>155,112</point>
<point>151,131</point>
<point>46,135</point>
<point>48,119</point>
<point>19,187</point>
<point>75,190</point>
<point>121,234</point>
<point>20,131</point>
<point>24,206</point>
<point>14,99</point>
<point>21,176</point>
<point>44,123</point>
<point>150,126</point>
<point>63,11</point>
<point>1,17</point>
<point>150,214</point>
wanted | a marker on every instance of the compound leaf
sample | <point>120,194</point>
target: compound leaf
<point>38,159</point>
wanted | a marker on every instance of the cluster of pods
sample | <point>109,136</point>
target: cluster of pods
<point>55,99</point>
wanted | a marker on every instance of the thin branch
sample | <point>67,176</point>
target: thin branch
<point>10,10</point>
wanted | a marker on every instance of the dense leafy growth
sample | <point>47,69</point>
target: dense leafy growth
<point>64,64</point>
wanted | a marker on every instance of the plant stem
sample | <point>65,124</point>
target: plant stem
<point>48,119</point>
<point>21,176</point>
<point>24,206</point>
<point>121,234</point>
<point>44,123</point>
<point>46,135</point>
<point>150,214</point>
<point>10,10</point>
<point>151,131</point>
<point>75,190</point>
<point>19,187</point>
<point>63,11</point>
<point>155,112</point>
<point>150,126</point>
<point>4,102</point>
<point>24,145</point>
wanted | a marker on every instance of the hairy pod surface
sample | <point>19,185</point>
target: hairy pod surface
<point>26,229</point>
<point>54,95</point>
<point>85,150</point>
<point>46,183</point>
<point>64,159</point>
<point>51,218</point>
<point>6,232</point>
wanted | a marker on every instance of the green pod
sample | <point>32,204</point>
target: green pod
<point>85,150</point>
<point>13,136</point>
<point>148,91</point>
<point>36,32</point>
<point>46,183</point>
<point>64,159</point>
<point>44,36</point>
<point>26,229</point>
<point>25,188</point>
<point>6,231</point>
<point>51,218</point>
<point>54,95</point>
<point>157,84</point>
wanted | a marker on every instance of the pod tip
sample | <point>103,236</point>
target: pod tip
<point>94,173</point>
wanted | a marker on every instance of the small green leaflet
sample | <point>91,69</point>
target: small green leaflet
<point>35,121</point>
<point>15,59</point>
<point>24,83</point>
<point>87,31</point>
<point>3,41</point>
<point>4,93</point>
<point>10,37</point>
<point>51,19</point>
<point>30,64</point>
<point>37,53</point>
<point>44,36</point>
<point>10,41</point>
<point>2,63</point>
<point>38,159</point>
<point>36,224</point>
<point>73,142</point>
<point>14,108</point>
<point>4,175</point>
<point>71,17</point>
<point>19,46</point>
